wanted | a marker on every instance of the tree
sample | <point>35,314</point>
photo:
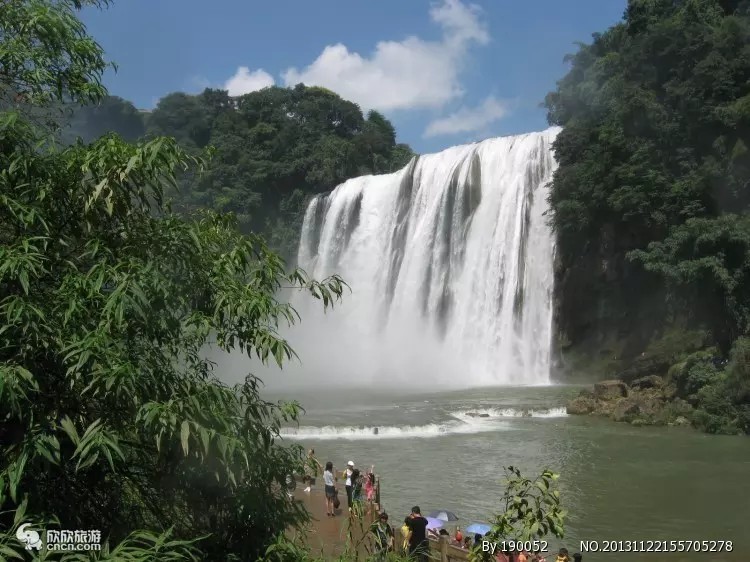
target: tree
<point>656,124</point>
<point>531,511</point>
<point>709,260</point>
<point>112,417</point>
<point>183,117</point>
<point>272,145</point>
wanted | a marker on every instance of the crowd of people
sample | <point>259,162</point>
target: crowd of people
<point>360,487</point>
<point>416,535</point>
<point>415,531</point>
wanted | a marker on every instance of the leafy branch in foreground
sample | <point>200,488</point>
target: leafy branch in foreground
<point>112,416</point>
<point>531,511</point>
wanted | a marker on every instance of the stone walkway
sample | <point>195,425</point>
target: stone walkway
<point>329,536</point>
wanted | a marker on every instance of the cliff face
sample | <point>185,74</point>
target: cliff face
<point>607,310</point>
<point>650,199</point>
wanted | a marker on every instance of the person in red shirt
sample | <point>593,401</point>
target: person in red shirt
<point>459,536</point>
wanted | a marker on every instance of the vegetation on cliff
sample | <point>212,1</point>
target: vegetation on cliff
<point>275,148</point>
<point>651,200</point>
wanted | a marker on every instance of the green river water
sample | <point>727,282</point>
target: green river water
<point>618,482</point>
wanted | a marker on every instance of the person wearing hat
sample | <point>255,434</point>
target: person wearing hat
<point>383,537</point>
<point>348,484</point>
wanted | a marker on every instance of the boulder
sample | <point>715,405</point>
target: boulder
<point>610,390</point>
<point>681,421</point>
<point>626,410</point>
<point>651,381</point>
<point>581,406</point>
<point>651,407</point>
<point>477,415</point>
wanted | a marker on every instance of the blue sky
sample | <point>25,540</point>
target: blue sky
<point>445,72</point>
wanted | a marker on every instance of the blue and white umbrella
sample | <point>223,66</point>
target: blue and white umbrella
<point>433,523</point>
<point>479,528</point>
<point>444,515</point>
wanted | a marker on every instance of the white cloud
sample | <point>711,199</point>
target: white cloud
<point>244,81</point>
<point>407,74</point>
<point>468,119</point>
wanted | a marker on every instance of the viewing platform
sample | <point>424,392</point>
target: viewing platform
<point>331,537</point>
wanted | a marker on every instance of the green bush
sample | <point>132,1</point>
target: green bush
<point>723,399</point>
<point>674,343</point>
<point>738,372</point>
<point>695,372</point>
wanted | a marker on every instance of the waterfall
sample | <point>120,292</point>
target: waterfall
<point>450,265</point>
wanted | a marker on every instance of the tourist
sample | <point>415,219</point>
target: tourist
<point>418,545</point>
<point>370,488</point>
<point>348,483</point>
<point>467,543</point>
<point>562,555</point>
<point>370,484</point>
<point>330,488</point>
<point>538,557</point>
<point>406,533</point>
<point>291,485</point>
<point>502,556</point>
<point>577,557</point>
<point>312,469</point>
<point>383,537</point>
<point>357,493</point>
<point>313,463</point>
<point>459,536</point>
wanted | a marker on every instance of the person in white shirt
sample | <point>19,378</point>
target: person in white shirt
<point>348,475</point>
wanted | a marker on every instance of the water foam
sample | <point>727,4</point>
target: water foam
<point>450,264</point>
<point>389,432</point>
<point>499,413</point>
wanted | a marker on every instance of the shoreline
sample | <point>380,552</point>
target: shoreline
<point>645,401</point>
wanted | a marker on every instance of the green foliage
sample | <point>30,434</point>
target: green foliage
<point>275,148</point>
<point>696,371</point>
<point>721,396</point>
<point>112,417</point>
<point>675,342</point>
<point>531,511</point>
<point>45,53</point>
<point>709,259</point>
<point>654,151</point>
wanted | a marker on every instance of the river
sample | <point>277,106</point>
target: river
<point>617,482</point>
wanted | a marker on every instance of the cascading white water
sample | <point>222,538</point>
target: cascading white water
<point>450,265</point>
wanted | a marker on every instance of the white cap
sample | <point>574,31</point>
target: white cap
<point>350,463</point>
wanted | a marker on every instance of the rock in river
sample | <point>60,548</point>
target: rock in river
<point>610,390</point>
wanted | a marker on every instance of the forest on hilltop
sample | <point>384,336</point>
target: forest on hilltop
<point>273,149</point>
<point>651,202</point>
